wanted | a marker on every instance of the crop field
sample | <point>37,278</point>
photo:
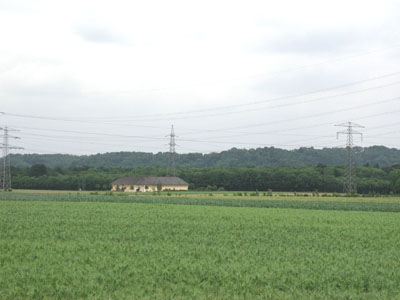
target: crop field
<point>384,204</point>
<point>70,246</point>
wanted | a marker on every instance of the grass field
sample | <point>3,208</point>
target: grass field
<point>69,246</point>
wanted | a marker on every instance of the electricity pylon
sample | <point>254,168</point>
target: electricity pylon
<point>350,186</point>
<point>171,154</point>
<point>5,170</point>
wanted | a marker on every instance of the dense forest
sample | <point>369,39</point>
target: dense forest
<point>260,157</point>
<point>321,178</point>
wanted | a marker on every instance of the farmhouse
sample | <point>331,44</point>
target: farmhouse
<point>148,184</point>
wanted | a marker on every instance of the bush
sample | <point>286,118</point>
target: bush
<point>352,195</point>
<point>212,188</point>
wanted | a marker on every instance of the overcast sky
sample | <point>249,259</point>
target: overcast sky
<point>85,77</point>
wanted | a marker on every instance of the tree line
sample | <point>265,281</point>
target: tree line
<point>260,157</point>
<point>320,177</point>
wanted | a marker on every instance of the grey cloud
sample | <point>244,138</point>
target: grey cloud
<point>311,43</point>
<point>17,5</point>
<point>99,35</point>
<point>21,62</point>
<point>61,87</point>
<point>300,81</point>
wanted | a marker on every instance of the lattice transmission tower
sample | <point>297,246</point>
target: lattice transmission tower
<point>5,170</point>
<point>171,154</point>
<point>350,186</point>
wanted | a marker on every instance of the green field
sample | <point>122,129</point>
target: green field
<point>69,246</point>
<point>383,204</point>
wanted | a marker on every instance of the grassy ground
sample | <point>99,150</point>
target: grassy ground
<point>93,250</point>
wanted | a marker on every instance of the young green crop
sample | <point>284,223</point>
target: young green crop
<point>71,250</point>
<point>384,204</point>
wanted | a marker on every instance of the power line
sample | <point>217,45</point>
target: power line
<point>270,74</point>
<point>309,116</point>
<point>222,129</point>
<point>71,120</point>
<point>258,144</point>
<point>289,129</point>
<point>188,116</point>
<point>279,105</point>
<point>279,132</point>
<point>95,133</point>
<point>263,124</point>
<point>140,118</point>
<point>90,147</point>
<point>85,142</point>
<point>225,107</point>
<point>77,139</point>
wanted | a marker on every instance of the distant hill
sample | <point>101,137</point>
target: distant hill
<point>268,156</point>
